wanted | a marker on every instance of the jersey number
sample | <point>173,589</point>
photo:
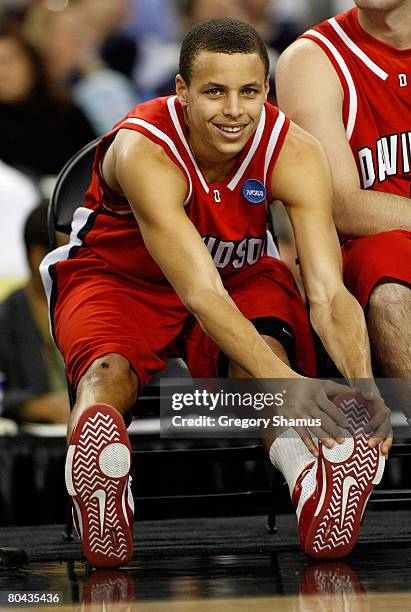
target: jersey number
<point>217,196</point>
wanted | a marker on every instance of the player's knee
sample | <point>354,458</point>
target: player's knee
<point>234,370</point>
<point>387,299</point>
<point>277,348</point>
<point>111,370</point>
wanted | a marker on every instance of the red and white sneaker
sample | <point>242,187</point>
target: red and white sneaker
<point>330,495</point>
<point>97,478</point>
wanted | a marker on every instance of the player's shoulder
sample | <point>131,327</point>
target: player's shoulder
<point>300,137</point>
<point>135,164</point>
<point>303,54</point>
<point>306,66</point>
<point>300,147</point>
<point>308,49</point>
<point>152,107</point>
<point>130,146</point>
<point>153,112</point>
<point>148,126</point>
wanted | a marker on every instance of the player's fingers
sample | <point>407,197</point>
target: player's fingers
<point>381,416</point>
<point>386,445</point>
<point>324,436</point>
<point>332,388</point>
<point>368,390</point>
<point>329,428</point>
<point>307,439</point>
<point>381,434</point>
<point>335,413</point>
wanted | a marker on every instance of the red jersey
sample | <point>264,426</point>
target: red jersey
<point>229,215</point>
<point>376,79</point>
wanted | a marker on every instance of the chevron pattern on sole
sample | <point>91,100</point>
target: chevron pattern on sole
<point>97,477</point>
<point>348,478</point>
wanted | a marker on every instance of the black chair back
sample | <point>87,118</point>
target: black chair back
<point>68,193</point>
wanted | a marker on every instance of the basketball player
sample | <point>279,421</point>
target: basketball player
<point>172,245</point>
<point>348,82</point>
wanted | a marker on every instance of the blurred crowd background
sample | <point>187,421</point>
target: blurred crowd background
<point>69,70</point>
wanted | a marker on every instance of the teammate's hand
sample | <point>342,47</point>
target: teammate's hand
<point>311,399</point>
<point>380,415</point>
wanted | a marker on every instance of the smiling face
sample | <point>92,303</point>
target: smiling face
<point>223,102</point>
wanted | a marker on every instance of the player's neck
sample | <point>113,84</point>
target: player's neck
<point>215,171</point>
<point>214,167</point>
<point>391,27</point>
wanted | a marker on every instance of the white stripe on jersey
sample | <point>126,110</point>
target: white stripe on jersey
<point>272,250</point>
<point>356,50</point>
<point>173,114</point>
<point>256,141</point>
<point>80,219</point>
<point>162,136</point>
<point>406,160</point>
<point>353,101</point>
<point>273,141</point>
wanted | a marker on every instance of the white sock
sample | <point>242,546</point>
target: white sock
<point>290,455</point>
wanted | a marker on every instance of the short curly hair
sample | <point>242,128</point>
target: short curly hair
<point>220,36</point>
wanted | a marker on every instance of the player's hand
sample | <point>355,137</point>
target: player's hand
<point>380,415</point>
<point>312,399</point>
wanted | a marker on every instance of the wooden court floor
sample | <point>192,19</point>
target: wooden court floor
<point>371,580</point>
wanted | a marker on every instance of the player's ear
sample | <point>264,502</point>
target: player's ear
<point>181,90</point>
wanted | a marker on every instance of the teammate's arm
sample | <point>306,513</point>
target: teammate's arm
<point>302,180</point>
<point>156,190</point>
<point>310,93</point>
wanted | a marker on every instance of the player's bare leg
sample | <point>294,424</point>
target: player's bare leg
<point>109,380</point>
<point>99,459</point>
<point>388,321</point>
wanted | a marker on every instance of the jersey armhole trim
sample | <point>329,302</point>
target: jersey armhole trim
<point>153,133</point>
<point>275,143</point>
<point>352,92</point>
<point>174,118</point>
<point>356,50</point>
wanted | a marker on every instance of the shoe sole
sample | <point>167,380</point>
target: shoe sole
<point>97,468</point>
<point>350,471</point>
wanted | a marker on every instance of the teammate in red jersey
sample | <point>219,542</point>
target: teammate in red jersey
<point>171,245</point>
<point>348,82</point>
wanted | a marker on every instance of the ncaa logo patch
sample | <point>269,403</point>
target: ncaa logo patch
<point>253,191</point>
